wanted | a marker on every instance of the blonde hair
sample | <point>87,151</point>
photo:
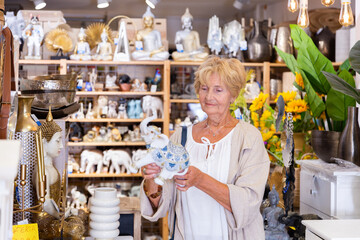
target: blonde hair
<point>231,72</point>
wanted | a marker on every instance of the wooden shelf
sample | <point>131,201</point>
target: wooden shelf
<point>284,65</point>
<point>102,175</point>
<point>105,144</point>
<point>117,120</point>
<point>184,100</point>
<point>151,63</point>
<point>37,62</point>
<point>117,93</point>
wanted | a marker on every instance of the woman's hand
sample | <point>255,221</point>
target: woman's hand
<point>190,179</point>
<point>150,171</point>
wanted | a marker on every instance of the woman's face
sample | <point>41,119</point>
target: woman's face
<point>215,96</point>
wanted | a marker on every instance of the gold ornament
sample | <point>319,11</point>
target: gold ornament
<point>93,34</point>
<point>49,128</point>
<point>58,39</point>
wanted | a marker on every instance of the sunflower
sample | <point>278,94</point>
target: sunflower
<point>288,96</point>
<point>296,106</point>
<point>258,102</point>
<point>299,80</point>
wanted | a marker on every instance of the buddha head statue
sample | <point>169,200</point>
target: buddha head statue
<point>273,197</point>
<point>148,18</point>
<point>52,139</point>
<point>187,19</point>
<point>82,35</point>
<point>104,36</point>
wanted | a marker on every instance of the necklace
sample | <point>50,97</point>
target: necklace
<point>217,131</point>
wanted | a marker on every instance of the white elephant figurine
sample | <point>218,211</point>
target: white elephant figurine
<point>152,106</point>
<point>171,157</point>
<point>78,199</point>
<point>91,159</point>
<point>118,158</point>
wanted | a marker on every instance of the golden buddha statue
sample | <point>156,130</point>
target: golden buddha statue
<point>148,45</point>
<point>82,48</point>
<point>188,42</point>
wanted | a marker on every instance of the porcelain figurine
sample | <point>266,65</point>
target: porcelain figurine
<point>110,82</point>
<point>78,199</point>
<point>115,135</point>
<point>138,110</point>
<point>82,48</point>
<point>122,45</point>
<point>34,34</point>
<point>138,86</point>
<point>90,114</point>
<point>90,159</point>
<point>188,42</point>
<point>231,37</point>
<point>90,136</point>
<point>104,48</point>
<point>15,23</point>
<point>138,155</point>
<point>76,132</point>
<point>92,79</point>
<point>102,107</point>
<point>118,158</point>
<point>152,106</point>
<point>149,45</point>
<point>112,109</point>
<point>171,157</point>
<point>131,109</point>
<point>122,111</point>
<point>214,39</point>
<point>80,113</point>
<point>103,135</point>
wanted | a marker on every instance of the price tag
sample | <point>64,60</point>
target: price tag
<point>153,88</point>
<point>243,45</point>
<point>179,47</point>
<point>26,232</point>
<point>139,45</point>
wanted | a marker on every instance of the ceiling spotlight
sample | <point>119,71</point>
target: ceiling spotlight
<point>39,4</point>
<point>103,3</point>
<point>239,4</point>
<point>152,3</point>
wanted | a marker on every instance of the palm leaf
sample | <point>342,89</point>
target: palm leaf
<point>354,57</point>
<point>289,59</point>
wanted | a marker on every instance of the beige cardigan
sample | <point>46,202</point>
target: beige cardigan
<point>248,172</point>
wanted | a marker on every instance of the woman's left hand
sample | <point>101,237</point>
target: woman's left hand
<point>190,179</point>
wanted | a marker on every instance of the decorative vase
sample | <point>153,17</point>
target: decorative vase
<point>349,145</point>
<point>325,42</point>
<point>283,42</point>
<point>104,214</point>
<point>325,144</point>
<point>259,48</point>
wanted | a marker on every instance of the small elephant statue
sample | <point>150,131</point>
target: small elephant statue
<point>78,199</point>
<point>171,157</point>
<point>152,106</point>
<point>91,159</point>
<point>118,158</point>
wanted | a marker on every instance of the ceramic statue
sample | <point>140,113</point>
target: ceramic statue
<point>82,48</point>
<point>121,52</point>
<point>104,48</point>
<point>138,86</point>
<point>92,79</point>
<point>110,82</point>
<point>122,111</point>
<point>103,135</point>
<point>274,230</point>
<point>118,158</point>
<point>15,23</point>
<point>232,37</point>
<point>131,109</point>
<point>34,34</point>
<point>149,45</point>
<point>90,113</point>
<point>188,42</point>
<point>112,109</point>
<point>78,199</point>
<point>138,154</point>
<point>214,39</point>
<point>102,107</point>
<point>90,159</point>
<point>138,110</point>
<point>152,106</point>
<point>171,157</point>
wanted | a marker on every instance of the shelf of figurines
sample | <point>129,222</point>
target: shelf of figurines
<point>110,120</point>
<point>117,93</point>
<point>106,144</point>
<point>103,175</point>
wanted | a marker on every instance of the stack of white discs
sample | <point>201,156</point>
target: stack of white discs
<point>104,214</point>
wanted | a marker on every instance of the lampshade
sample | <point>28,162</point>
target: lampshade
<point>152,3</point>
<point>102,3</point>
<point>39,4</point>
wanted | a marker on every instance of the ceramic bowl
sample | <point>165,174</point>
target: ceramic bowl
<point>104,218</point>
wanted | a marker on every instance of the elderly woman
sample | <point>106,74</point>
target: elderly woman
<point>220,195</point>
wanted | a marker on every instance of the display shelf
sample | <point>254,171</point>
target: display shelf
<point>184,100</point>
<point>151,63</point>
<point>105,144</point>
<point>37,62</point>
<point>180,63</point>
<point>102,175</point>
<point>117,120</point>
<point>284,65</point>
<point>118,93</point>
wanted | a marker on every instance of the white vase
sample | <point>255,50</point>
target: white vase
<point>104,214</point>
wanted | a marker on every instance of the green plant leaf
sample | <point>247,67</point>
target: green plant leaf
<point>316,104</point>
<point>345,66</point>
<point>354,57</point>
<point>338,84</point>
<point>289,60</point>
<point>299,37</point>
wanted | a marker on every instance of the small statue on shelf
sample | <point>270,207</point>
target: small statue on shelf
<point>148,41</point>
<point>90,159</point>
<point>112,109</point>
<point>138,86</point>
<point>214,39</point>
<point>92,80</point>
<point>90,113</point>
<point>104,48</point>
<point>110,82</point>
<point>188,42</point>
<point>232,37</point>
<point>34,34</point>
<point>82,48</point>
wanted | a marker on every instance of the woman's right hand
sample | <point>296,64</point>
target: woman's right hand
<point>150,171</point>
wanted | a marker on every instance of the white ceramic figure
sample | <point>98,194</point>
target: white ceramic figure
<point>34,34</point>
<point>104,135</point>
<point>152,106</point>
<point>214,39</point>
<point>122,45</point>
<point>149,41</point>
<point>118,158</point>
<point>138,86</point>
<point>90,113</point>
<point>92,79</point>
<point>90,159</point>
<point>138,155</point>
<point>131,109</point>
<point>138,110</point>
<point>110,82</point>
<point>102,107</point>
<point>73,165</point>
<point>188,42</point>
<point>112,109</point>
<point>232,37</point>
<point>171,157</point>
<point>15,23</point>
<point>78,199</point>
<point>82,48</point>
<point>80,113</point>
<point>104,48</point>
<point>122,111</point>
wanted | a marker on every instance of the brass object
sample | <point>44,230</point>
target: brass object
<point>58,39</point>
<point>24,121</point>
<point>93,34</point>
<point>49,128</point>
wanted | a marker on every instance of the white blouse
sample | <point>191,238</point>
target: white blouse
<point>204,217</point>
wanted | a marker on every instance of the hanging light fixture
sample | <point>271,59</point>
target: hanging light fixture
<point>327,3</point>
<point>39,4</point>
<point>293,5</point>
<point>303,18</point>
<point>346,17</point>
<point>152,3</point>
<point>103,3</point>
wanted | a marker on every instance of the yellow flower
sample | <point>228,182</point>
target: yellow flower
<point>288,96</point>
<point>296,106</point>
<point>267,135</point>
<point>299,80</point>
<point>296,117</point>
<point>258,102</point>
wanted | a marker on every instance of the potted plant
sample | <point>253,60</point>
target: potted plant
<point>328,107</point>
